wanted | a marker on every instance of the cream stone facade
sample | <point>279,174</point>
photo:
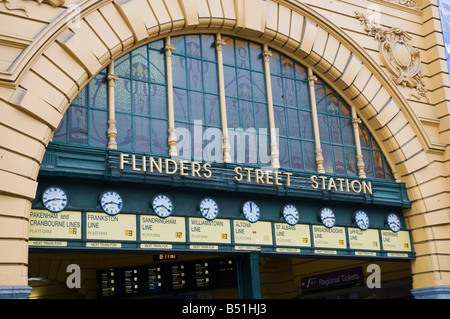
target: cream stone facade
<point>50,50</point>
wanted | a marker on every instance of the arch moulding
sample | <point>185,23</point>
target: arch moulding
<point>66,57</point>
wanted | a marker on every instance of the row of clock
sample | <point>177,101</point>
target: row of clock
<point>55,199</point>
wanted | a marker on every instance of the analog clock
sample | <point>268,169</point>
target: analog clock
<point>251,211</point>
<point>111,202</point>
<point>208,208</point>
<point>327,217</point>
<point>54,198</point>
<point>290,214</point>
<point>162,205</point>
<point>361,219</point>
<point>393,222</point>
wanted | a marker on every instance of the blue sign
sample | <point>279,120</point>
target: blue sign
<point>444,10</point>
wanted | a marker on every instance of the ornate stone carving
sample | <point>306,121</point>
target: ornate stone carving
<point>398,55</point>
<point>55,3</point>
<point>406,3</point>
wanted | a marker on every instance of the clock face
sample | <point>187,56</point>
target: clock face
<point>111,202</point>
<point>208,208</point>
<point>162,205</point>
<point>393,222</point>
<point>361,219</point>
<point>290,214</point>
<point>327,217</point>
<point>55,199</point>
<point>251,211</point>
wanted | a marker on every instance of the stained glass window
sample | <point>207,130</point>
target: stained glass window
<point>86,120</point>
<point>141,100</point>
<point>246,101</point>
<point>142,109</point>
<point>292,113</point>
<point>196,98</point>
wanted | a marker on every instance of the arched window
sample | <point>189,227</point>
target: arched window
<point>143,118</point>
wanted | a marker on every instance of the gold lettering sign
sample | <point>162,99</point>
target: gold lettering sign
<point>101,226</point>
<point>329,237</point>
<point>399,241</point>
<point>156,229</point>
<point>341,184</point>
<point>368,239</point>
<point>63,225</point>
<point>292,235</point>
<point>209,231</point>
<point>259,233</point>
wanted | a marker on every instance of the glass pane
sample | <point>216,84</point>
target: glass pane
<point>300,72</point>
<point>141,134</point>
<point>287,67</point>
<point>98,96</point>
<point>244,84</point>
<point>242,55</point>
<point>141,102</point>
<point>208,47</point>
<point>180,102</point>
<point>284,152</point>
<point>230,81</point>
<point>389,174</point>
<point>323,127</point>
<point>290,96</point>
<point>261,117</point>
<point>124,133</point>
<point>350,156</point>
<point>183,138</point>
<point>195,74</point>
<point>310,155</point>
<point>233,113</point>
<point>159,137</point>
<point>345,109</point>
<point>347,129</point>
<point>196,107</point>
<point>335,129</point>
<point>139,64</point>
<point>275,66</point>
<point>280,120</point>
<point>178,43</point>
<point>78,125</point>
<point>293,123</point>
<point>179,71</point>
<point>158,100</point>
<point>306,125</point>
<point>210,78</point>
<point>248,120</point>
<point>320,98</point>
<point>157,45</point>
<point>157,67</point>
<point>368,169</point>
<point>327,158</point>
<point>303,95</point>
<point>277,90</point>
<point>296,154</point>
<point>363,135</point>
<point>378,163</point>
<point>122,96</point>
<point>122,66</point>
<point>256,57</point>
<point>98,126</point>
<point>339,160</point>
<point>212,109</point>
<point>228,51</point>
<point>193,46</point>
<point>333,106</point>
<point>259,87</point>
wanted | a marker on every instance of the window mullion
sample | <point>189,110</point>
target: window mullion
<point>172,140</point>
<point>223,108</point>
<point>359,155</point>
<point>319,157</point>
<point>274,152</point>
<point>112,130</point>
